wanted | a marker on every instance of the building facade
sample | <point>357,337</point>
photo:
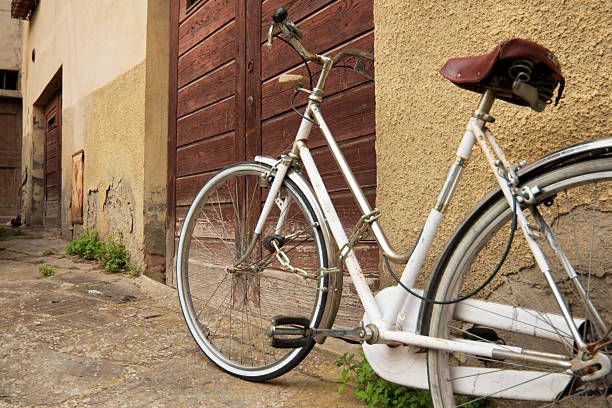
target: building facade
<point>128,107</point>
<point>95,80</point>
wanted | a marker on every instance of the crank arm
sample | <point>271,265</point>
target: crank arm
<point>301,333</point>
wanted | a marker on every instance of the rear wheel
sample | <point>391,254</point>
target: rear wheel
<point>228,300</point>
<point>576,202</point>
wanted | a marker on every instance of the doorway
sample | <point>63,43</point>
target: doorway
<point>10,158</point>
<point>53,162</point>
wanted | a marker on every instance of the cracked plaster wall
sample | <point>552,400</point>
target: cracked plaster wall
<point>420,116</point>
<point>110,121</point>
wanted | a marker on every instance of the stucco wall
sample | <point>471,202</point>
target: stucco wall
<point>420,116</point>
<point>10,38</point>
<point>110,59</point>
<point>111,122</point>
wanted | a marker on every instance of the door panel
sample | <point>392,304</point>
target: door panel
<point>228,106</point>
<point>52,166</point>
<point>10,158</point>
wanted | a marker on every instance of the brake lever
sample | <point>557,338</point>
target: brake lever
<point>270,35</point>
<point>360,68</point>
<point>294,30</point>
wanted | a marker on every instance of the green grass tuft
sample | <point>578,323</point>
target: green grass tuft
<point>111,253</point>
<point>47,270</point>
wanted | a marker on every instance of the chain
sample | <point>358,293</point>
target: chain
<point>359,232</point>
<point>284,260</point>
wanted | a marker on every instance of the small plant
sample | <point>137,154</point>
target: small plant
<point>377,391</point>
<point>87,246</point>
<point>47,252</point>
<point>133,270</point>
<point>112,253</point>
<point>47,270</point>
<point>18,233</point>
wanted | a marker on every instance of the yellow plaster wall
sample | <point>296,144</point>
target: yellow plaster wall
<point>111,122</point>
<point>420,116</point>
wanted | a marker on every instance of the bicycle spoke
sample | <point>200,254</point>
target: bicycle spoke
<point>577,216</point>
<point>237,301</point>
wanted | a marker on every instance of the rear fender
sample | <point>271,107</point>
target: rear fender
<point>580,152</point>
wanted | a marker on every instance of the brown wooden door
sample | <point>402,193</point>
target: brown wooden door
<point>226,105</point>
<point>10,158</point>
<point>53,161</point>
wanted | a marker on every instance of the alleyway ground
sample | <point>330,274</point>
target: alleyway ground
<point>84,337</point>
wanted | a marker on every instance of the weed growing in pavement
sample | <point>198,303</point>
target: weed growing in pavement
<point>87,246</point>
<point>112,253</point>
<point>378,392</point>
<point>47,252</point>
<point>47,270</point>
<point>16,233</point>
<point>133,270</point>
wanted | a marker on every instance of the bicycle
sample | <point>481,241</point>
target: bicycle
<point>261,254</point>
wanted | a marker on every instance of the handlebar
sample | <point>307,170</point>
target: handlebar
<point>292,34</point>
<point>280,15</point>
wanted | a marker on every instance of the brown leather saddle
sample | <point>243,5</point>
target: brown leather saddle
<point>519,71</point>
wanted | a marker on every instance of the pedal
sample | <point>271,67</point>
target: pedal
<point>296,334</point>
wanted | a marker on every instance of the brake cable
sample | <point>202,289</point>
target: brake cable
<point>479,288</point>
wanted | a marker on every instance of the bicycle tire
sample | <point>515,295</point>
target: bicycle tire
<point>228,309</point>
<point>579,223</point>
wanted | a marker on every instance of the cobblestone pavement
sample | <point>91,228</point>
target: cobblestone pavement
<point>84,337</point>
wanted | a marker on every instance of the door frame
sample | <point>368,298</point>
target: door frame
<point>246,120</point>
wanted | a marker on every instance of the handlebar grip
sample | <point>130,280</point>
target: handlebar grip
<point>280,15</point>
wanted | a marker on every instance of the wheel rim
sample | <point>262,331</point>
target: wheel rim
<point>227,306</point>
<point>579,209</point>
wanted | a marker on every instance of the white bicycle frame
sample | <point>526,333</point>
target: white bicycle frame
<point>392,317</point>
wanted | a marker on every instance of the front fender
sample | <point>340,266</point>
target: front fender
<point>334,293</point>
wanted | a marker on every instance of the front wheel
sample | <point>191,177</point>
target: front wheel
<point>227,297</point>
<point>576,202</point>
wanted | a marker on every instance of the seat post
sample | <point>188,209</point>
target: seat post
<point>484,106</point>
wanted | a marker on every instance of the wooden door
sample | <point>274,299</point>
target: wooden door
<point>53,161</point>
<point>226,104</point>
<point>10,158</point>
